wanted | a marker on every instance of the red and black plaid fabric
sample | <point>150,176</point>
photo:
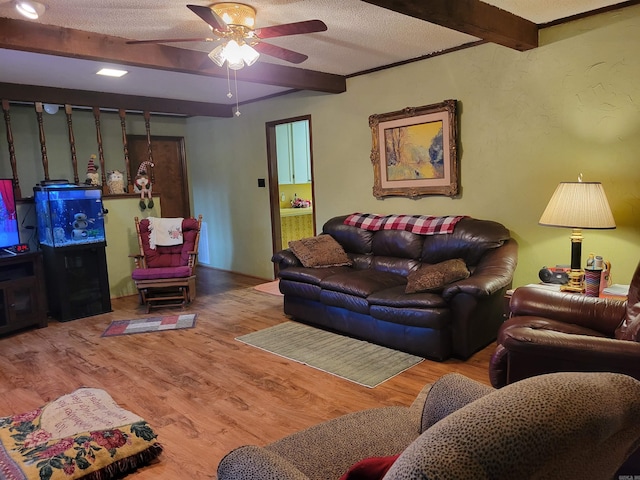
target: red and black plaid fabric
<point>420,224</point>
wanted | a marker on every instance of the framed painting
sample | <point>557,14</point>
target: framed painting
<point>414,151</point>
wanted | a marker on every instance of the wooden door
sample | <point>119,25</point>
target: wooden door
<point>169,174</point>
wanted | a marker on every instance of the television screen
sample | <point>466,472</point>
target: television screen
<point>9,235</point>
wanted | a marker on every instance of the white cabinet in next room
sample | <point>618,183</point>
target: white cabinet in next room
<point>293,151</point>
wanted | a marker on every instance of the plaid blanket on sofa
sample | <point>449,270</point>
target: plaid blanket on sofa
<point>419,224</point>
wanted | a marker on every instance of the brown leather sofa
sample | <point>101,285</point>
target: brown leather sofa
<point>556,332</point>
<point>367,300</point>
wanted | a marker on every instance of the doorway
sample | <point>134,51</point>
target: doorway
<point>291,192</point>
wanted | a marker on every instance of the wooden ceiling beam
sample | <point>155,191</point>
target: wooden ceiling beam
<point>66,42</point>
<point>131,103</point>
<point>472,17</point>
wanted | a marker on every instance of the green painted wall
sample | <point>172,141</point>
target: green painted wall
<point>528,120</point>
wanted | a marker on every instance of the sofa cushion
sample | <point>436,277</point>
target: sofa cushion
<point>436,319</point>
<point>353,239</point>
<point>362,283</point>
<point>440,402</point>
<point>328,449</point>
<point>352,303</point>
<point>161,272</point>
<point>311,275</point>
<point>400,266</point>
<point>319,251</point>
<point>300,289</point>
<point>469,241</point>
<point>398,298</point>
<point>430,278</point>
<point>560,425</point>
<point>397,243</point>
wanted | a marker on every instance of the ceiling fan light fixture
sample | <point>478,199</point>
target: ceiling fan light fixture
<point>233,54</point>
<point>249,54</point>
<point>30,9</point>
<point>236,55</point>
<point>238,14</point>
<point>236,64</point>
<point>217,55</point>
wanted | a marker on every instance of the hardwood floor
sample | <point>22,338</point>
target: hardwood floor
<point>203,392</point>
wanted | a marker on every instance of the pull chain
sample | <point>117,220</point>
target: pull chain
<point>235,80</point>
<point>229,94</point>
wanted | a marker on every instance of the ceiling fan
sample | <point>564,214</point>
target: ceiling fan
<point>239,43</point>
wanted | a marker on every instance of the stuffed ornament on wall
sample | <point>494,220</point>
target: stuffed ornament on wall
<point>92,172</point>
<point>115,181</point>
<point>143,185</point>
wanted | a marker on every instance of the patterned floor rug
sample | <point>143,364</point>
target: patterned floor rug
<point>355,360</point>
<point>152,324</point>
<point>81,434</point>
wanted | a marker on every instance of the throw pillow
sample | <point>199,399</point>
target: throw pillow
<point>320,251</point>
<point>430,278</point>
<point>373,468</point>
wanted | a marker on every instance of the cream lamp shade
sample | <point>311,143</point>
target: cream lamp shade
<point>578,205</point>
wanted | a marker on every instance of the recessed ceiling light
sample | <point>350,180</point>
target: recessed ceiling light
<point>111,72</point>
<point>30,9</point>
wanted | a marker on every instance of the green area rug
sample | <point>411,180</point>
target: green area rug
<point>355,360</point>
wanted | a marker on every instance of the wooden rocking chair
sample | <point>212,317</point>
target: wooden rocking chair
<point>165,274</point>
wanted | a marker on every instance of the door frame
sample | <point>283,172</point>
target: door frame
<point>274,190</point>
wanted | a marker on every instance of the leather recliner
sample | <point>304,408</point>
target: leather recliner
<point>553,332</point>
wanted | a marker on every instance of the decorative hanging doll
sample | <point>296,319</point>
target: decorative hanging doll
<point>143,185</point>
<point>92,172</point>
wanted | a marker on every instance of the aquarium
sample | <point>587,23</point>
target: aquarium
<point>68,214</point>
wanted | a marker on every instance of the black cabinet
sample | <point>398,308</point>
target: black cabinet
<point>77,281</point>
<point>22,297</point>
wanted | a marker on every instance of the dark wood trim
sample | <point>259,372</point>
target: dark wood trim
<point>472,17</point>
<point>274,189</point>
<point>598,11</point>
<point>131,103</point>
<point>66,42</point>
<point>418,59</point>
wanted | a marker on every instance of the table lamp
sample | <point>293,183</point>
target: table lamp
<point>578,205</point>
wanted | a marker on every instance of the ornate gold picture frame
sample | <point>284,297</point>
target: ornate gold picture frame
<point>414,151</point>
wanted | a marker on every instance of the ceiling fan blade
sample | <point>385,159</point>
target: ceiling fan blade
<point>307,26</point>
<point>171,40</point>
<point>209,16</point>
<point>281,53</point>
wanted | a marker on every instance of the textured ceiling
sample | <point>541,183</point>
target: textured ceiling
<point>360,37</point>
